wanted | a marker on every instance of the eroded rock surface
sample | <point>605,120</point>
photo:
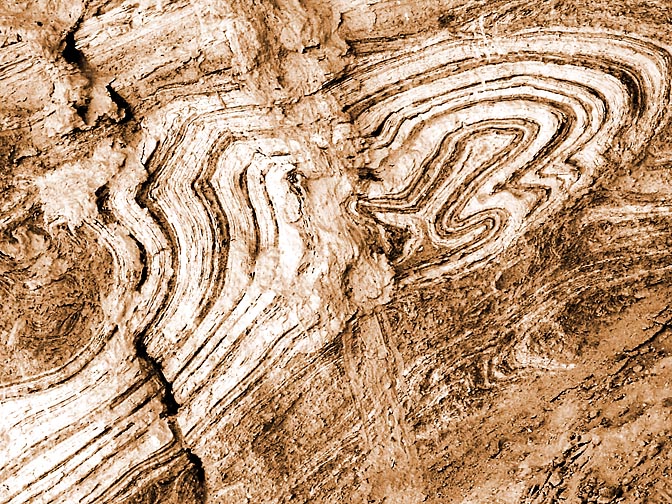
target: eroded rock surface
<point>339,251</point>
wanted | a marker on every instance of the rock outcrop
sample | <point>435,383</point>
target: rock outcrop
<point>335,251</point>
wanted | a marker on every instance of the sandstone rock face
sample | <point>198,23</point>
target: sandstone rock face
<point>335,251</point>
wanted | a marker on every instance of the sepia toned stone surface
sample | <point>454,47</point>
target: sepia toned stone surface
<point>335,251</point>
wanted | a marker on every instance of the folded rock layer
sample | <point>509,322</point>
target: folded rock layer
<point>334,251</point>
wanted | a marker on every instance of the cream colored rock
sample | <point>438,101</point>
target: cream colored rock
<point>334,251</point>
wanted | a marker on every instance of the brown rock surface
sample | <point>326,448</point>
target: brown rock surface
<point>335,251</point>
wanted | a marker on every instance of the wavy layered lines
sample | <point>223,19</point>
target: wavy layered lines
<point>618,244</point>
<point>88,441</point>
<point>92,428</point>
<point>468,146</point>
<point>251,256</point>
<point>87,437</point>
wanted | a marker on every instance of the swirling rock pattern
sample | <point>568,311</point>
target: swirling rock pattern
<point>333,252</point>
<point>470,144</point>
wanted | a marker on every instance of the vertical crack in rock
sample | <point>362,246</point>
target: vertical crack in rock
<point>121,104</point>
<point>70,52</point>
<point>192,476</point>
<point>168,399</point>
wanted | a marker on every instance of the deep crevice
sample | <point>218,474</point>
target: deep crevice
<point>102,203</point>
<point>199,470</point>
<point>70,52</point>
<point>122,104</point>
<point>170,404</point>
<point>171,407</point>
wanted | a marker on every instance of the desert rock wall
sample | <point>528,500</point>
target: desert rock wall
<point>341,251</point>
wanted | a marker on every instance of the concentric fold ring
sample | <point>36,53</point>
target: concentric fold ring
<point>472,145</point>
